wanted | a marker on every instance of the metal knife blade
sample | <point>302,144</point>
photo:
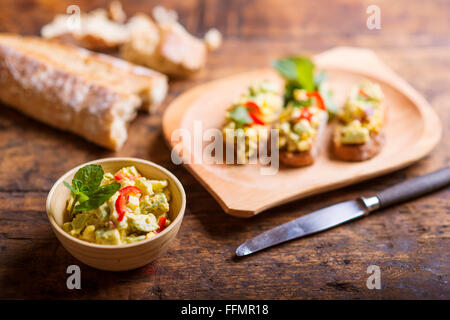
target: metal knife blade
<point>313,222</point>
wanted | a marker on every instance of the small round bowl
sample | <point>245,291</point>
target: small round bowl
<point>117,257</point>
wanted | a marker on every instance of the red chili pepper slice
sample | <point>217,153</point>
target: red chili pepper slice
<point>253,106</point>
<point>120,176</point>
<point>318,98</point>
<point>162,224</point>
<point>306,114</point>
<point>363,94</point>
<point>255,119</point>
<point>254,112</point>
<point>122,200</point>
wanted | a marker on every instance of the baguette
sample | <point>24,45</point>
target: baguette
<point>359,136</point>
<point>166,47</point>
<point>92,95</point>
<point>95,30</point>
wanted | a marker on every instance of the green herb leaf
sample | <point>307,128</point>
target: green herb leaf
<point>88,178</point>
<point>72,189</point>
<point>287,68</point>
<point>297,69</point>
<point>240,115</point>
<point>86,188</point>
<point>76,191</point>
<point>97,198</point>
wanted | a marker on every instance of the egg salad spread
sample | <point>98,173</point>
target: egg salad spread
<point>299,122</point>
<point>362,115</point>
<point>119,208</point>
<point>249,119</point>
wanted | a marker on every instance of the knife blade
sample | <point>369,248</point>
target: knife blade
<point>343,212</point>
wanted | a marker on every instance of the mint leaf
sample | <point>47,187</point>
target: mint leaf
<point>86,188</point>
<point>287,68</point>
<point>88,178</point>
<point>240,115</point>
<point>297,69</point>
<point>72,189</point>
<point>97,198</point>
<point>76,191</point>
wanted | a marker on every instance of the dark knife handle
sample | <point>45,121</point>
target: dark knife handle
<point>414,188</point>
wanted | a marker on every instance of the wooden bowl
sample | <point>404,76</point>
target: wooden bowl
<point>117,257</point>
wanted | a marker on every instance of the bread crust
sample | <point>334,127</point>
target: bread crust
<point>172,51</point>
<point>306,158</point>
<point>358,152</point>
<point>50,91</point>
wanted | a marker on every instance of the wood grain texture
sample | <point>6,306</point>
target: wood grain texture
<point>409,242</point>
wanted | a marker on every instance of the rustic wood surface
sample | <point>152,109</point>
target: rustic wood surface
<point>409,242</point>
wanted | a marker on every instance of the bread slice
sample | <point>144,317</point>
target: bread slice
<point>94,30</point>
<point>358,152</point>
<point>306,158</point>
<point>166,47</point>
<point>92,95</point>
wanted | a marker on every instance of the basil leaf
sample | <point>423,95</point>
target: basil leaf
<point>88,178</point>
<point>240,115</point>
<point>97,198</point>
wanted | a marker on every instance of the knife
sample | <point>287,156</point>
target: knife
<point>342,212</point>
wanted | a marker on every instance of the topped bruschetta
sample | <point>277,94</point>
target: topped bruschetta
<point>359,134</point>
<point>301,126</point>
<point>249,120</point>
<point>302,123</point>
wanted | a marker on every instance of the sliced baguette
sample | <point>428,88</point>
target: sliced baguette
<point>92,95</point>
<point>306,158</point>
<point>94,30</point>
<point>166,47</point>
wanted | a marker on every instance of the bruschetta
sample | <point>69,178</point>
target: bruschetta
<point>249,120</point>
<point>359,135</point>
<point>308,101</point>
<point>301,128</point>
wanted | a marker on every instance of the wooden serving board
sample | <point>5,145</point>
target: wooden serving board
<point>412,130</point>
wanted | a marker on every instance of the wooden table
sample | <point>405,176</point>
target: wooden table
<point>409,242</point>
